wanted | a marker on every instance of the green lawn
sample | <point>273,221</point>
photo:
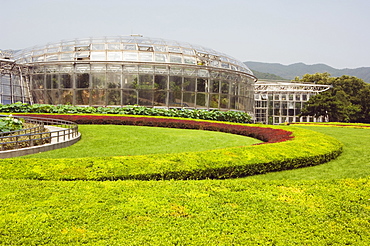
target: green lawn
<point>322,205</point>
<point>118,140</point>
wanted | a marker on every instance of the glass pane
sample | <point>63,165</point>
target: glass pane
<point>175,71</point>
<point>52,97</point>
<point>233,102</point>
<point>98,68</point>
<point>160,82</point>
<point>160,57</point>
<point>67,48</point>
<point>66,69</point>
<point>114,97</point>
<point>174,99</point>
<point>174,49</point>
<point>82,97</point>
<point>224,101</point>
<point>146,97</point>
<point>98,56</point>
<point>214,101</point>
<point>215,86</point>
<point>161,70</point>
<point>37,81</point>
<point>188,99</point>
<point>129,97</point>
<point>189,84</point>
<point>201,100</point>
<point>38,96</point>
<point>146,56</point>
<point>52,57</point>
<point>98,80</point>
<point>82,80</point>
<point>175,58</point>
<point>98,47</point>
<point>130,56</point>
<point>225,87</point>
<point>189,60</point>
<point>66,97</point>
<point>145,81</point>
<point>160,48</point>
<point>129,47</point>
<point>175,83</point>
<point>65,81</point>
<point>130,69</point>
<point>115,56</point>
<point>52,81</point>
<point>201,85</point>
<point>114,80</point>
<point>98,97</point>
<point>113,46</point>
<point>82,68</point>
<point>114,68</point>
<point>66,56</point>
<point>146,69</point>
<point>160,98</point>
<point>130,81</point>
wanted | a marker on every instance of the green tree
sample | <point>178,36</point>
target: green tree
<point>347,101</point>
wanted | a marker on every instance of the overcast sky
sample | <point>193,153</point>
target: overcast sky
<point>333,32</point>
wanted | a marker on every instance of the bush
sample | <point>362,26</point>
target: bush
<point>9,123</point>
<point>230,116</point>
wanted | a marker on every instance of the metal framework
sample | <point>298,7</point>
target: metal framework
<point>277,102</point>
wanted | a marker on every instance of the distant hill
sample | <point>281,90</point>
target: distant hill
<point>289,72</point>
<point>260,75</point>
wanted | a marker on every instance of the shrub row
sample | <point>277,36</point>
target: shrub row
<point>307,148</point>
<point>230,116</point>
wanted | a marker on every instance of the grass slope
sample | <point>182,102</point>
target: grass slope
<point>354,162</point>
<point>120,140</point>
<point>326,210</point>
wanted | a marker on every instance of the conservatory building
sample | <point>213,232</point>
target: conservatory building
<point>136,70</point>
<point>13,80</point>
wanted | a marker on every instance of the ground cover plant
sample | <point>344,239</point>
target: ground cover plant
<point>330,209</point>
<point>302,148</point>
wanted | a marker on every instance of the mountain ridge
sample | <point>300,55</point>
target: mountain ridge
<point>291,71</point>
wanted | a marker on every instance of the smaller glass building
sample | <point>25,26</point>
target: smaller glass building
<point>13,80</point>
<point>279,102</point>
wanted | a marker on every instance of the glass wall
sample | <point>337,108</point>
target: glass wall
<point>147,85</point>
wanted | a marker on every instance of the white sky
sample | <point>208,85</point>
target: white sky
<point>334,32</point>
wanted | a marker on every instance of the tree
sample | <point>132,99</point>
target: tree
<point>347,101</point>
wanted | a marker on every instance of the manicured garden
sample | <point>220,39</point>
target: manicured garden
<point>323,204</point>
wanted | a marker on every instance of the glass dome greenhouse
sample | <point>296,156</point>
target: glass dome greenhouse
<point>136,70</point>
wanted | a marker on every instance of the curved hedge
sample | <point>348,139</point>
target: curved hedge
<point>286,150</point>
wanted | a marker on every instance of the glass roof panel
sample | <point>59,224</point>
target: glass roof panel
<point>128,44</point>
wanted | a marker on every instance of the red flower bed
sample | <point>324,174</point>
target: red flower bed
<point>268,135</point>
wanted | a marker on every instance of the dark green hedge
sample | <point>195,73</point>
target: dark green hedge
<point>230,116</point>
